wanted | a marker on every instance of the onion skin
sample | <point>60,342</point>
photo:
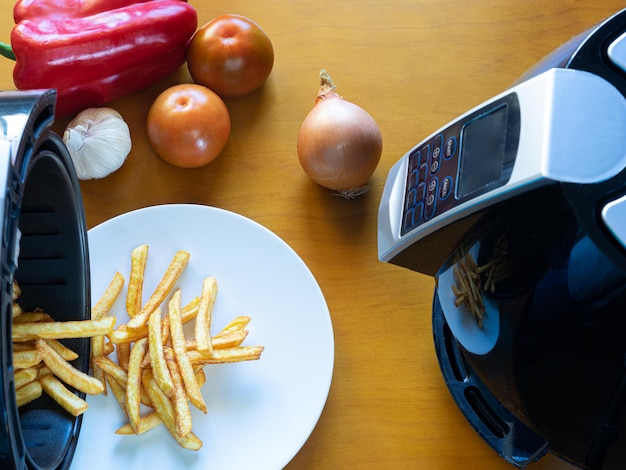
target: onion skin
<point>339,143</point>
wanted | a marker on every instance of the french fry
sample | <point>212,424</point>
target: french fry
<point>67,372</point>
<point>102,308</point>
<point>63,351</point>
<point>72,403</point>
<point>138,260</point>
<point>178,343</point>
<point>28,392</point>
<point>147,422</point>
<point>119,392</point>
<point>24,376</point>
<point>163,289</point>
<point>61,330</point>
<point>108,298</point>
<point>108,348</point>
<point>225,341</point>
<point>187,313</point>
<point>97,349</point>
<point>32,317</point>
<point>133,385</point>
<point>15,294</point>
<point>112,370</point>
<point>42,371</point>
<point>236,324</point>
<point>226,355</point>
<point>26,359</point>
<point>190,311</point>
<point>205,312</point>
<point>24,346</point>
<point>123,335</point>
<point>27,346</point>
<point>160,368</point>
<point>166,412</point>
<point>200,375</point>
<point>16,311</point>
<point>179,396</point>
<point>16,290</point>
<point>229,340</point>
<point>123,354</point>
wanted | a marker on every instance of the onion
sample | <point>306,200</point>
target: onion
<point>339,143</point>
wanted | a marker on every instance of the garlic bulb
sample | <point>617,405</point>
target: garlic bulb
<point>98,141</point>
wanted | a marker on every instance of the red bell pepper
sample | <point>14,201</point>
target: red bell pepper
<point>93,53</point>
<point>24,9</point>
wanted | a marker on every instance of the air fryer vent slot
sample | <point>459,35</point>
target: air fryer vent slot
<point>485,413</point>
<point>457,362</point>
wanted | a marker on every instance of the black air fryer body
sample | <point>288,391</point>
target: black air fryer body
<point>559,363</point>
<point>538,363</point>
<point>555,379</point>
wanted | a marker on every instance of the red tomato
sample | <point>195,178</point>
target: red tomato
<point>231,55</point>
<point>188,125</point>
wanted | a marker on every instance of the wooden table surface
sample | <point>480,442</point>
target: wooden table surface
<point>414,65</point>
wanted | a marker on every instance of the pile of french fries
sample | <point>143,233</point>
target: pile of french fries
<point>148,363</point>
<point>41,362</point>
<point>468,288</point>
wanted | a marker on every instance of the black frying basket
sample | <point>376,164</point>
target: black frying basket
<point>44,248</point>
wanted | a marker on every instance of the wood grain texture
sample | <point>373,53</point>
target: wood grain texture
<point>413,65</point>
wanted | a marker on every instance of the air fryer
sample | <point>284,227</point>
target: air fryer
<point>529,309</point>
<point>44,249</point>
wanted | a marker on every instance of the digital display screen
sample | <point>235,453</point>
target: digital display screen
<point>483,150</point>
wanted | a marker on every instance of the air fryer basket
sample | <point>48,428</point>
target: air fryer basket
<point>44,248</point>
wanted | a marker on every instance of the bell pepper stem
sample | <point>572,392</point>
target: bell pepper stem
<point>6,51</point>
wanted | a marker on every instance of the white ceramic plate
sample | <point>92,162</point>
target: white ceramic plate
<point>260,412</point>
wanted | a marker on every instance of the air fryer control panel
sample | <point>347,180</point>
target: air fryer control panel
<point>450,168</point>
<point>538,133</point>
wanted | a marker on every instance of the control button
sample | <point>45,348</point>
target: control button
<point>418,213</point>
<point>413,179</point>
<point>432,186</point>
<point>450,148</point>
<point>422,173</point>
<point>420,191</point>
<point>437,146</point>
<point>437,149</point>
<point>431,198</point>
<point>425,153</point>
<point>408,219</point>
<point>429,209</point>
<point>414,160</point>
<point>413,217</point>
<point>445,188</point>
<point>410,199</point>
